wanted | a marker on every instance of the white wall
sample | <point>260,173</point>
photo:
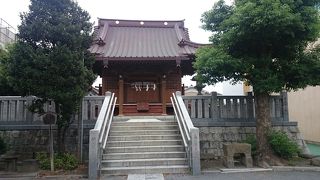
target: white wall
<point>304,108</point>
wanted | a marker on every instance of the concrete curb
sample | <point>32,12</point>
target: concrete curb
<point>245,170</point>
<point>295,168</point>
<point>4,175</point>
<point>272,168</point>
<point>35,175</point>
<point>71,176</point>
<point>236,170</point>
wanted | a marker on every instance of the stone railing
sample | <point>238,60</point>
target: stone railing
<point>91,106</point>
<point>14,110</point>
<point>189,133</point>
<point>221,110</point>
<point>99,134</point>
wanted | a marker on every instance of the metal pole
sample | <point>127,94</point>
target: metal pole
<point>51,149</point>
<point>81,139</point>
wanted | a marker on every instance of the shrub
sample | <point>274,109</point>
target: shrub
<point>3,146</point>
<point>70,161</point>
<point>251,139</point>
<point>64,161</point>
<point>44,161</point>
<point>282,145</point>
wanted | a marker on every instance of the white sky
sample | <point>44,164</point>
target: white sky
<point>190,10</point>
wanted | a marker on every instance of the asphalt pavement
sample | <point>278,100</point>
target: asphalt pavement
<point>270,175</point>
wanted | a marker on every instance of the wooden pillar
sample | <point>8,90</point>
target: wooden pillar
<point>104,85</point>
<point>121,95</point>
<point>163,94</point>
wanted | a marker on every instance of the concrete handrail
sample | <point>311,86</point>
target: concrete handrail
<point>182,128</point>
<point>98,135</point>
<point>190,134</point>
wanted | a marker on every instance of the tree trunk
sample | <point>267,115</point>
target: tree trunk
<point>262,128</point>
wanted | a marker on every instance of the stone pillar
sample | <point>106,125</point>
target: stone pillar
<point>29,114</point>
<point>285,111</point>
<point>250,105</point>
<point>213,106</point>
<point>163,94</point>
<point>195,151</point>
<point>121,95</point>
<point>93,169</point>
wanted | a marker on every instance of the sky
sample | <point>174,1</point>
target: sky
<point>189,10</point>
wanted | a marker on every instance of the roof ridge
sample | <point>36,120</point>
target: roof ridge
<point>139,20</point>
<point>141,23</point>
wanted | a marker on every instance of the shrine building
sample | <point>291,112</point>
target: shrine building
<point>143,62</point>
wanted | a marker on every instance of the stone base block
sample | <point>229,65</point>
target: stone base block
<point>230,150</point>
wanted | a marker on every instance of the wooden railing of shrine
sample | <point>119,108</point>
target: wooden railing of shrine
<point>221,110</point>
<point>99,134</point>
<point>189,133</point>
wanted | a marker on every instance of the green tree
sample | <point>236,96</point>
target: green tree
<point>3,72</point>
<point>262,42</point>
<point>5,87</point>
<point>51,60</point>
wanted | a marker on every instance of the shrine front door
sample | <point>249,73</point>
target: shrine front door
<point>144,91</point>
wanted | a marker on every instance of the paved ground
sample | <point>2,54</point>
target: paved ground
<point>271,175</point>
<point>145,177</point>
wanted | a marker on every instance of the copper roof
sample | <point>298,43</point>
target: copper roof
<point>136,39</point>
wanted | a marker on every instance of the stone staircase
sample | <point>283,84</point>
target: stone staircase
<point>144,145</point>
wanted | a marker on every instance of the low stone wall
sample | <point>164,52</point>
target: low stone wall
<point>213,137</point>
<point>27,140</point>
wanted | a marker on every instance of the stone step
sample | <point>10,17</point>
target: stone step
<point>143,155</point>
<point>125,123</point>
<point>145,170</point>
<point>143,143</point>
<point>144,137</point>
<point>144,132</point>
<point>126,118</point>
<point>135,149</point>
<point>144,162</point>
<point>147,127</point>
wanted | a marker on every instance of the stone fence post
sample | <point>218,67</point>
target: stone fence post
<point>213,106</point>
<point>250,105</point>
<point>29,114</point>
<point>93,170</point>
<point>284,96</point>
<point>195,151</point>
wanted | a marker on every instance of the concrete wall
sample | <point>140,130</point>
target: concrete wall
<point>304,108</point>
<point>212,138</point>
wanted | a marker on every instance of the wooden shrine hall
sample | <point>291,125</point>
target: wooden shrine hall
<point>142,62</point>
